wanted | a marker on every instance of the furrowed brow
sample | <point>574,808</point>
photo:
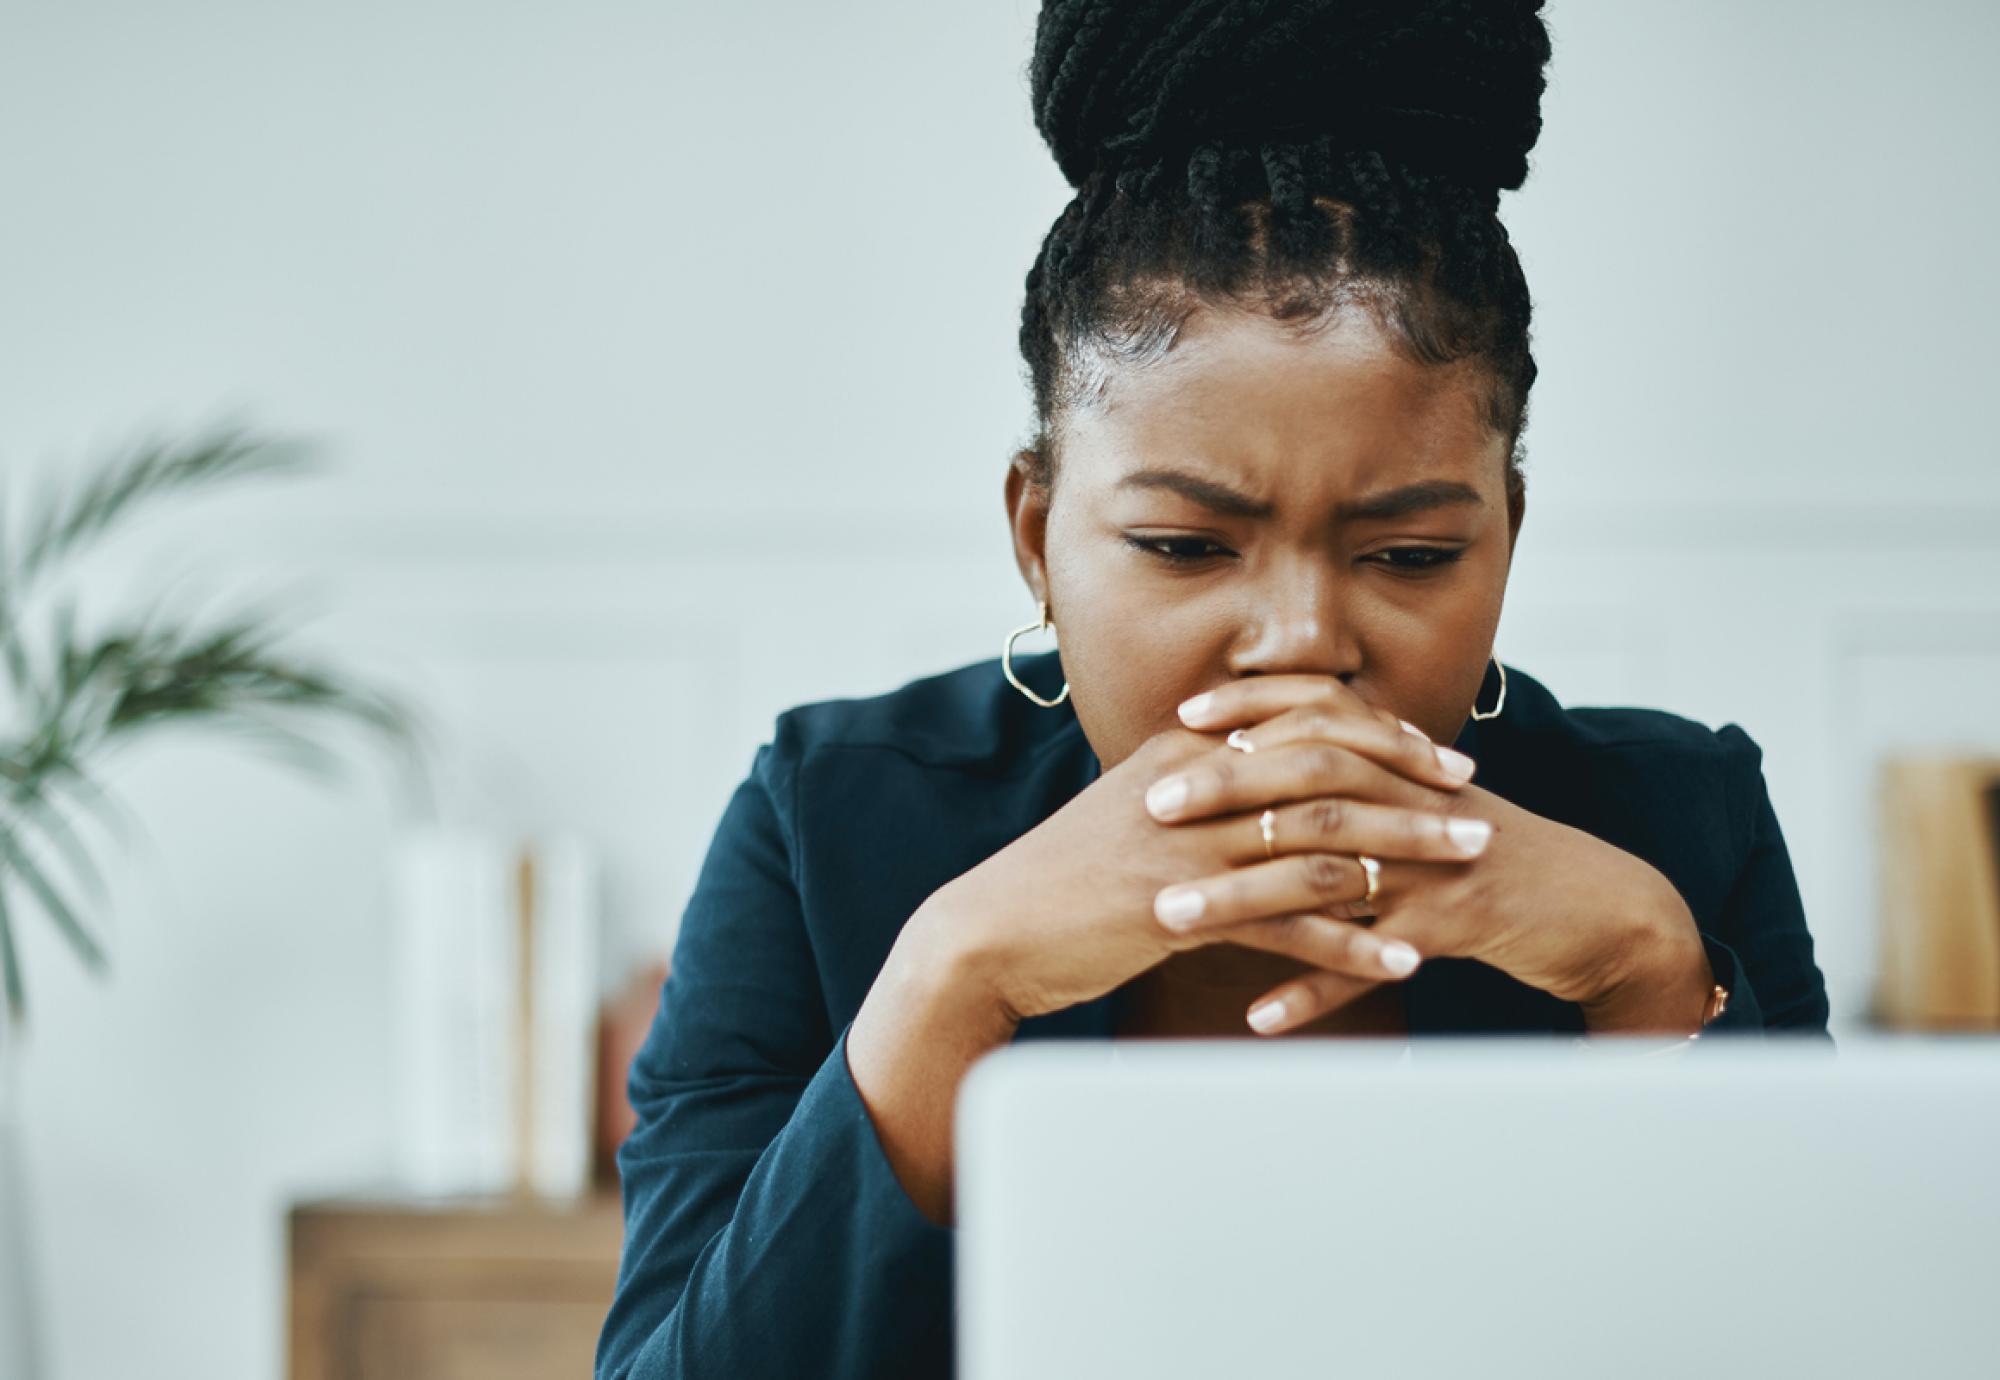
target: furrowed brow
<point>1217,498</point>
<point>1411,498</point>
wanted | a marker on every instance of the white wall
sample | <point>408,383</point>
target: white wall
<point>667,358</point>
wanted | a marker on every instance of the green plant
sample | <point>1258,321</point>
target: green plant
<point>75,695</point>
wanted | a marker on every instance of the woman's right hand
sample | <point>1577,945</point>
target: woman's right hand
<point>1066,912</point>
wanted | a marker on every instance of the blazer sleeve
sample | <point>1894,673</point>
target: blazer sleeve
<point>1758,945</point>
<point>765,1231</point>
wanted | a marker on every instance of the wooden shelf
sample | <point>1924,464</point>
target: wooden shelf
<point>386,1286</point>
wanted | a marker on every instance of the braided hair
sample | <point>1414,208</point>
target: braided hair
<point>1289,157</point>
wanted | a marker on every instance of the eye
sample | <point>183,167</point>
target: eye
<point>1416,560</point>
<point>1179,550</point>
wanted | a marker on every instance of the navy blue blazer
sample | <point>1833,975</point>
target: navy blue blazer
<point>765,1232</point>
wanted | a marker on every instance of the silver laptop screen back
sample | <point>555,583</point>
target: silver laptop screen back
<point>1491,1208</point>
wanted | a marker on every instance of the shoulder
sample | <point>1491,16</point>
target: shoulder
<point>1533,712</point>
<point>1534,717</point>
<point>879,800</point>
<point>967,720</point>
<point>1662,761</point>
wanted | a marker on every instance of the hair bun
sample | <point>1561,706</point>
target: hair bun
<point>1452,87</point>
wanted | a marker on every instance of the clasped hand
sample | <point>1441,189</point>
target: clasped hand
<point>1163,853</point>
<point>1463,873</point>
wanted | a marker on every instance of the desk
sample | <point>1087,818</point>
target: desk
<point>386,1287</point>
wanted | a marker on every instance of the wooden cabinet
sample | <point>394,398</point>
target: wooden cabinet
<point>385,1288</point>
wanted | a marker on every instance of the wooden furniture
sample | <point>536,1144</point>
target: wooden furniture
<point>1939,945</point>
<point>388,1287</point>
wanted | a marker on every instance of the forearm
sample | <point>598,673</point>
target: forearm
<point>729,1226</point>
<point>1663,989</point>
<point>923,1024</point>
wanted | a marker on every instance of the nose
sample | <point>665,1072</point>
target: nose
<point>1295,621</point>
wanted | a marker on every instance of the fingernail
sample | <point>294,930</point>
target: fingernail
<point>1166,796</point>
<point>1399,958</point>
<point>1456,764</point>
<point>1410,727</point>
<point>1197,707</point>
<point>1469,835</point>
<point>1179,906</point>
<point>1269,1016</point>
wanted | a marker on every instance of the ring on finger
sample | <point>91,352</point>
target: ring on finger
<point>1267,824</point>
<point>1240,740</point>
<point>1374,871</point>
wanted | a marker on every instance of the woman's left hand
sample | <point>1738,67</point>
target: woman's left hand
<point>1555,907</point>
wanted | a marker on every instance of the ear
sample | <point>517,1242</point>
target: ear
<point>1028,521</point>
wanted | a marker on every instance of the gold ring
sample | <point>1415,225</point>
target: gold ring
<point>1267,824</point>
<point>1374,871</point>
<point>1240,740</point>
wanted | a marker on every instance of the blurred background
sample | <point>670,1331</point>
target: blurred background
<point>663,363</point>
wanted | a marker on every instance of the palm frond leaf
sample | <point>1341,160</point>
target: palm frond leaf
<point>82,693</point>
<point>29,871</point>
<point>90,794</point>
<point>13,646</point>
<point>10,969</point>
<point>63,526</point>
<point>37,808</point>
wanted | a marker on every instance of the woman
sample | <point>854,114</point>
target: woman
<point>1279,349</point>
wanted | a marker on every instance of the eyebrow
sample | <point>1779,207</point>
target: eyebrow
<point>1220,498</point>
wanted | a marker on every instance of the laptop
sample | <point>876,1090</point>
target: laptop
<point>1493,1207</point>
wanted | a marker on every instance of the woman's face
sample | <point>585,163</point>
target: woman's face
<point>1258,502</point>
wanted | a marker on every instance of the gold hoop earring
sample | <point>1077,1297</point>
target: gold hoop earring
<point>1498,704</point>
<point>1007,660</point>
